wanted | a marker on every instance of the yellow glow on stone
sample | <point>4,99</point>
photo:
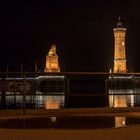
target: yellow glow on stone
<point>52,64</point>
<point>122,43</point>
<point>119,50</point>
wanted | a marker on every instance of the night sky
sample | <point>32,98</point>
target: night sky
<point>81,30</point>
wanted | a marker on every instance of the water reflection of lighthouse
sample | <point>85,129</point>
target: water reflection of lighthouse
<point>117,100</point>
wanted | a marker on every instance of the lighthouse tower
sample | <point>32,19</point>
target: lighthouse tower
<point>119,51</point>
<point>52,64</point>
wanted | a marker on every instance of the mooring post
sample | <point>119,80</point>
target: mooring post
<point>24,94</point>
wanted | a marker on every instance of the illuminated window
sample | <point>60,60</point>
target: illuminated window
<point>123,43</point>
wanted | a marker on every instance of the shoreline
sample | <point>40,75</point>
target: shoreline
<point>129,133</point>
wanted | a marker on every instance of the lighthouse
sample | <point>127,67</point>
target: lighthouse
<point>119,48</point>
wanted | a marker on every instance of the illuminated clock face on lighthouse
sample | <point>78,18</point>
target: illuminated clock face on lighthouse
<point>119,50</point>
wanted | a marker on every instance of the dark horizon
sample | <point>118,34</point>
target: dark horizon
<point>81,30</point>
